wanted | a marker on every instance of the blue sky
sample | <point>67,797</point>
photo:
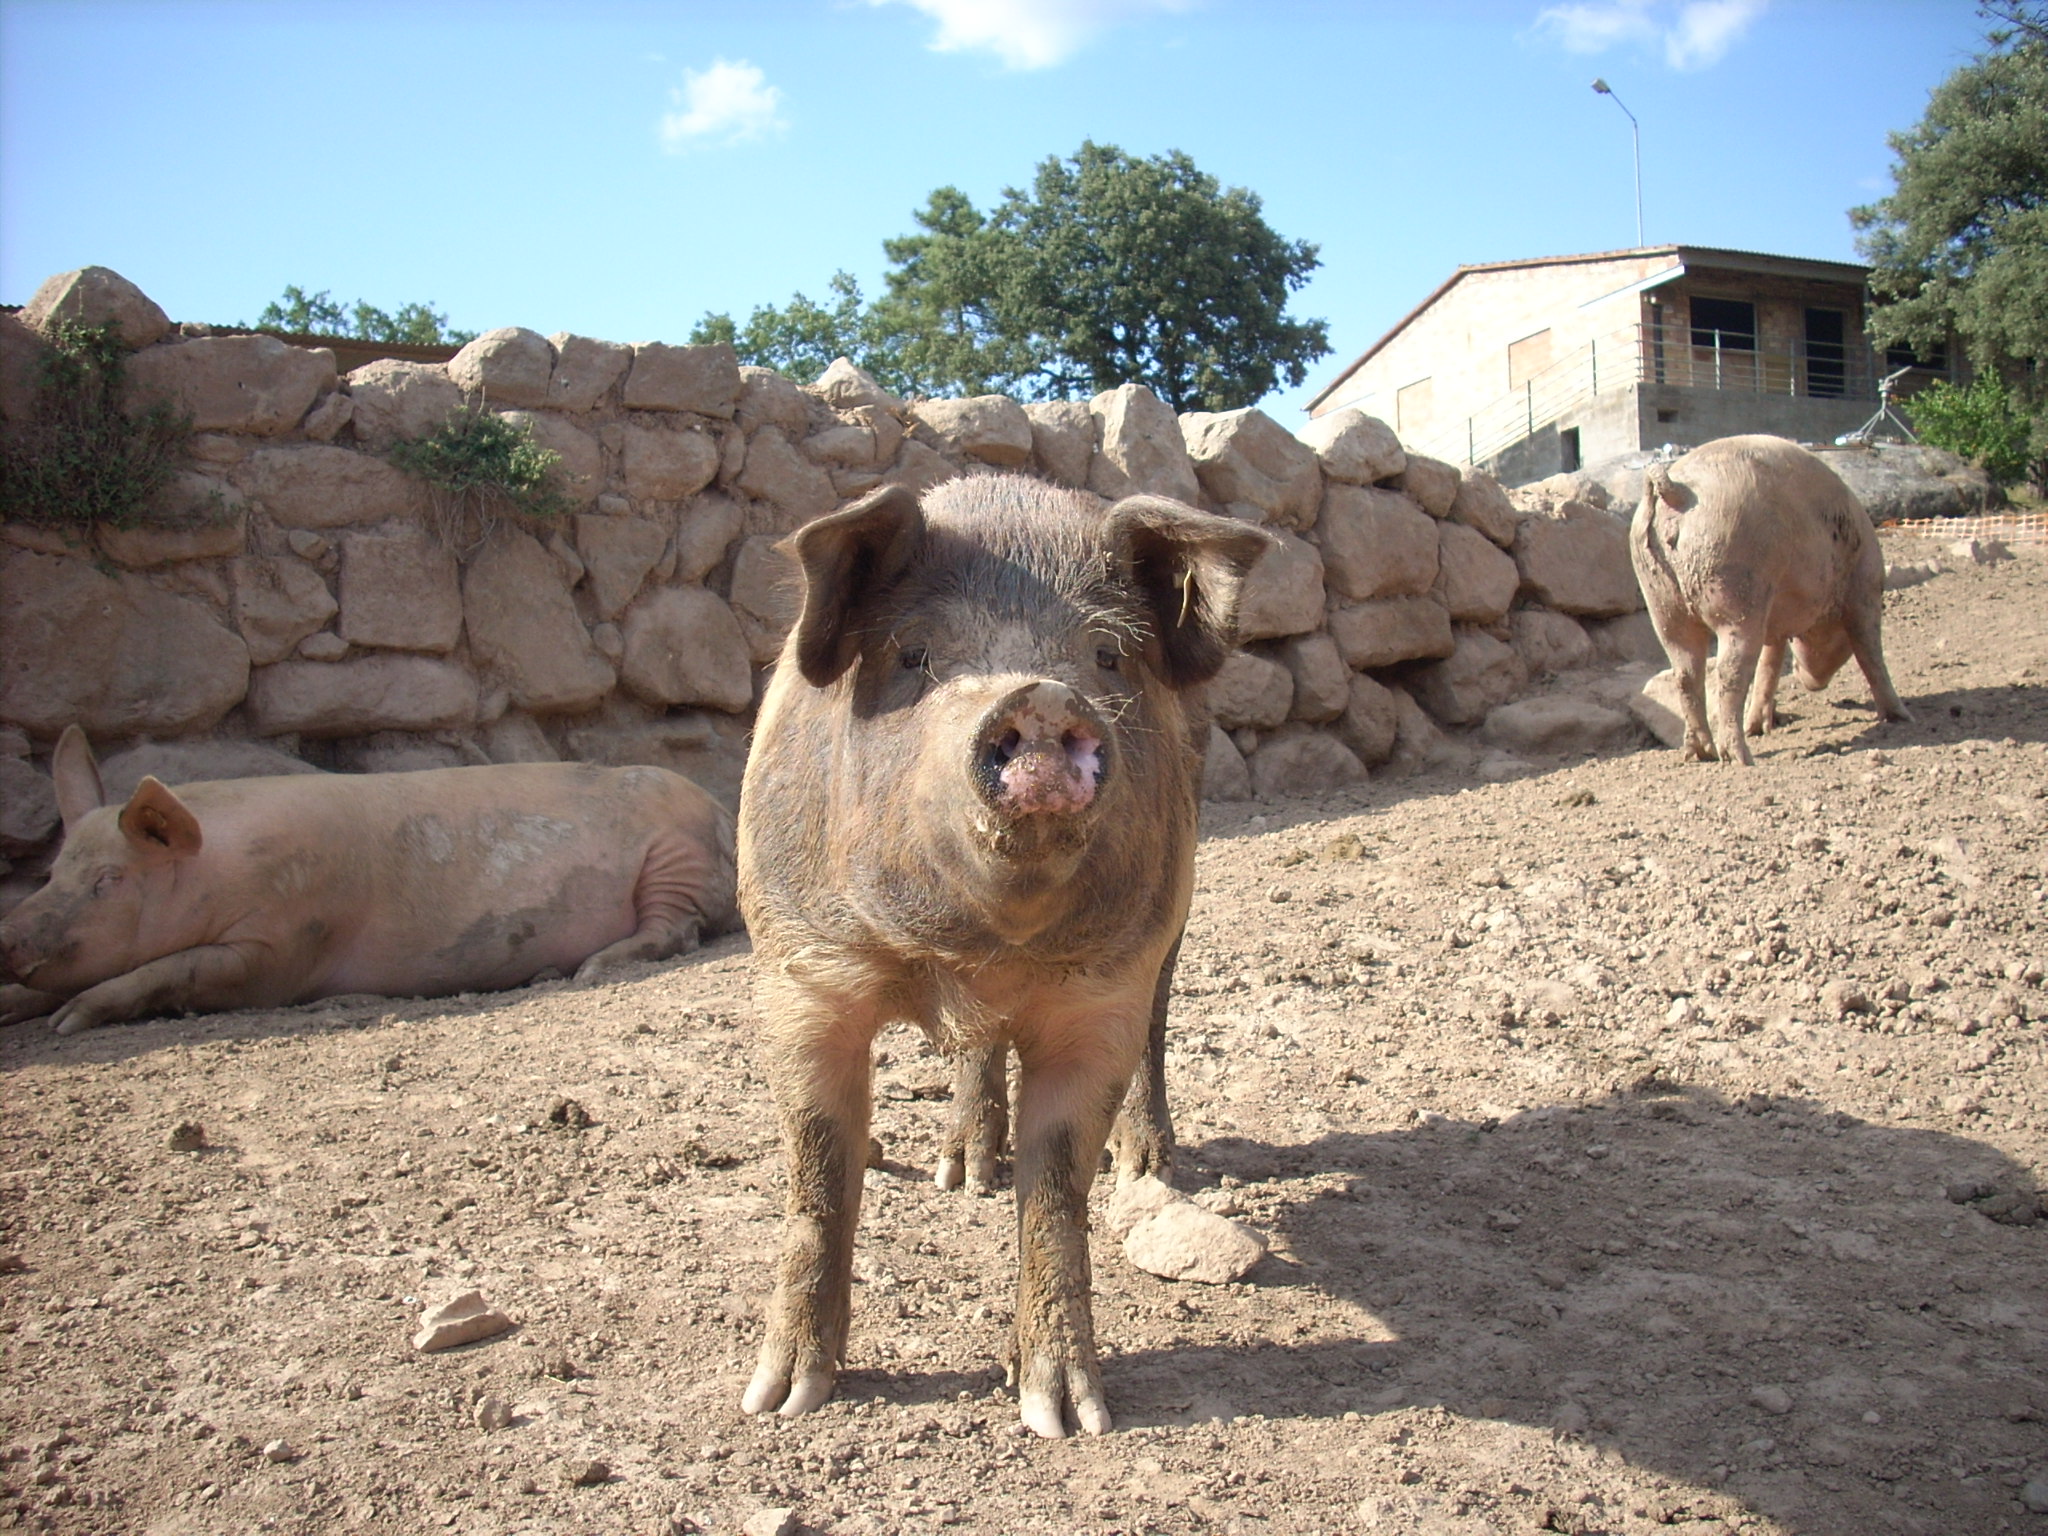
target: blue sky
<point>617,169</point>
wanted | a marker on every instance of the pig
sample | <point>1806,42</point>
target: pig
<point>252,893</point>
<point>971,805</point>
<point>1756,541</point>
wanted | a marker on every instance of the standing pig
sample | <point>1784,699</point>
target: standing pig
<point>1756,541</point>
<point>971,804</point>
<point>253,893</point>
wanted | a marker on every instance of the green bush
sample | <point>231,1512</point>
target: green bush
<point>482,467</point>
<point>82,459</point>
<point>1982,422</point>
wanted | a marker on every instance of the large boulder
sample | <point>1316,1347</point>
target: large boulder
<point>617,554</point>
<point>28,808</point>
<point>316,485</point>
<point>1249,463</point>
<point>116,655</point>
<point>708,749</point>
<point>1394,629</point>
<point>683,646</point>
<point>1224,775</point>
<point>1283,595</point>
<point>523,627</point>
<point>279,601</point>
<point>1296,761</point>
<point>400,591</point>
<point>1141,449</point>
<point>97,296</point>
<point>509,366</point>
<point>990,428</point>
<point>767,399</point>
<point>767,595</point>
<point>192,762</point>
<point>1375,543</point>
<point>844,385</point>
<point>21,351</point>
<point>704,380</point>
<point>1480,503</point>
<point>776,473</point>
<point>194,517</point>
<point>382,692</point>
<point>1322,683</point>
<point>1557,724</point>
<point>668,464</point>
<point>1475,580</point>
<point>1577,561</point>
<point>1548,642</point>
<point>1479,674</point>
<point>1371,720</point>
<point>1433,484</point>
<point>1250,691</point>
<point>1354,447</point>
<point>705,530</point>
<point>1063,438</point>
<point>584,371</point>
<point>253,384</point>
<point>1900,481</point>
<point>395,399</point>
<point>578,474</point>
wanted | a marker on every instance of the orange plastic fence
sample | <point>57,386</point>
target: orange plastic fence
<point>2013,527</point>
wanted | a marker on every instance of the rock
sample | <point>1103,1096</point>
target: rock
<point>767,594</point>
<point>187,1136</point>
<point>1841,998</point>
<point>708,749</point>
<point>333,411</point>
<point>28,808</point>
<point>221,536</point>
<point>844,386</point>
<point>1898,482</point>
<point>1370,721</point>
<point>1375,544</point>
<point>1480,673</point>
<point>1655,706</point>
<point>918,468</point>
<point>683,646</point>
<point>400,591</point>
<point>1482,505</point>
<point>990,428</point>
<point>776,473</point>
<point>1771,1399</point>
<point>117,655</point>
<point>1063,439</point>
<point>617,554</point>
<point>516,737</point>
<point>1322,683</point>
<point>192,762</point>
<point>1419,745</point>
<point>279,1452</point>
<point>770,1522</point>
<point>1630,638</point>
<point>253,384</point>
<point>767,399</point>
<point>1475,581</point>
<point>382,692</point>
<point>1245,457</point>
<point>1296,761</point>
<point>464,1320</point>
<point>395,399</point>
<point>1138,1200</point>
<point>1432,484</point>
<point>324,646</point>
<point>1378,634</point>
<point>1140,447</point>
<point>508,366</point>
<point>583,1472</point>
<point>1577,561</point>
<point>842,447</point>
<point>584,371</point>
<point>21,352</point>
<point>1556,724</point>
<point>704,532</point>
<point>1901,574</point>
<point>1353,447</point>
<point>668,464</point>
<point>524,630</point>
<point>1548,642</point>
<point>1283,595</point>
<point>879,424</point>
<point>1181,1241</point>
<point>1980,551</point>
<point>579,473</point>
<point>492,1413</point>
<point>97,296</point>
<point>316,485</point>
<point>1250,691</point>
<point>279,601</point>
<point>1224,775</point>
<point>704,380</point>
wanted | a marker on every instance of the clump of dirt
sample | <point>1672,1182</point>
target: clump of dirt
<point>1640,1145</point>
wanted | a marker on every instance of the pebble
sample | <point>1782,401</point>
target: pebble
<point>1843,998</point>
<point>585,1473</point>
<point>279,1450</point>
<point>1771,1399</point>
<point>187,1136</point>
<point>463,1320</point>
<point>2035,1494</point>
<point>493,1413</point>
<point>770,1522</point>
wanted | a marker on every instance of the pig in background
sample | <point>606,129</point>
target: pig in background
<point>971,804</point>
<point>269,891</point>
<point>1755,541</point>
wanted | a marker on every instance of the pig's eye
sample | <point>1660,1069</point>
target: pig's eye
<point>106,880</point>
<point>1107,658</point>
<point>913,658</point>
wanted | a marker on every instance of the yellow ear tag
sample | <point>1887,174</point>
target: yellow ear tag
<point>1187,598</point>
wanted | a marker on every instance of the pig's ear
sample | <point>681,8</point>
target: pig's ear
<point>1188,569</point>
<point>157,824</point>
<point>77,778</point>
<point>848,560</point>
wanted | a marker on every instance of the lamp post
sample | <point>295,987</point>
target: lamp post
<point>1636,133</point>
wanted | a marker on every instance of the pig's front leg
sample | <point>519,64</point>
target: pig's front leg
<point>979,1126</point>
<point>203,979</point>
<point>820,1064</point>
<point>1065,1101</point>
<point>1141,1143</point>
<point>19,1004</point>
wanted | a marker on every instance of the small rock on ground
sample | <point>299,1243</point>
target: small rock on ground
<point>770,1522</point>
<point>1181,1241</point>
<point>464,1320</point>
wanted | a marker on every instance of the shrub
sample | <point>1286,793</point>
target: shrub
<point>81,458</point>
<point>1982,422</point>
<point>482,467</point>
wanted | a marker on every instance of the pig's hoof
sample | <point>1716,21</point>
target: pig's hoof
<point>70,1020</point>
<point>952,1171</point>
<point>1047,1391</point>
<point>773,1391</point>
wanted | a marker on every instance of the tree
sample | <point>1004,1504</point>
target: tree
<point>298,313</point>
<point>1111,269</point>
<point>1960,247</point>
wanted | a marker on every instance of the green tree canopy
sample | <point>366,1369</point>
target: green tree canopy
<point>1960,247</point>
<point>1110,269</point>
<point>299,313</point>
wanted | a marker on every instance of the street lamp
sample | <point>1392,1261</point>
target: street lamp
<point>1636,132</point>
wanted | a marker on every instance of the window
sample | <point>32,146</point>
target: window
<point>1527,358</point>
<point>1827,354</point>
<point>1413,405</point>
<point>1726,324</point>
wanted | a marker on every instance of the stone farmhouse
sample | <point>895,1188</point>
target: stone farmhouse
<point>1529,368</point>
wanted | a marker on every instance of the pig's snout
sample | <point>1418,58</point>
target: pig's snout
<point>1041,751</point>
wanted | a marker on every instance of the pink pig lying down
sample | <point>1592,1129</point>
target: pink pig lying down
<point>264,892</point>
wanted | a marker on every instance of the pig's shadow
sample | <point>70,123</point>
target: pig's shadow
<point>1944,715</point>
<point>1631,1272</point>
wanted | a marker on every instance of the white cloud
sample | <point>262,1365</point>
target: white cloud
<point>1027,34</point>
<point>1693,33</point>
<point>729,103</point>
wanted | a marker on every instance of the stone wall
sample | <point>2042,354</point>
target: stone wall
<point>312,607</point>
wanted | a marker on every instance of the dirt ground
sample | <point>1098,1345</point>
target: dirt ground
<point>1641,1145</point>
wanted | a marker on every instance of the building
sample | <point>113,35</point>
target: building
<point>1530,367</point>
